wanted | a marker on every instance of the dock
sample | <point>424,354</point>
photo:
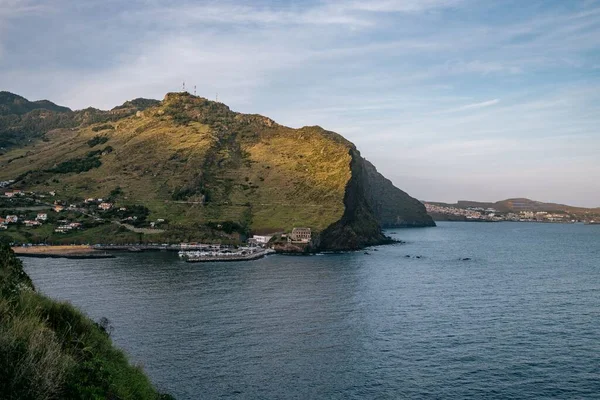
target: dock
<point>243,255</point>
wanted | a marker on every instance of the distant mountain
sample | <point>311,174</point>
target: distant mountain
<point>517,205</point>
<point>197,164</point>
<point>14,104</point>
<point>23,121</point>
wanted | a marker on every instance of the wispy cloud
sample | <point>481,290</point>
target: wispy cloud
<point>410,6</point>
<point>474,106</point>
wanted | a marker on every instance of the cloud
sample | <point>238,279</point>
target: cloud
<point>454,95</point>
<point>406,6</point>
<point>238,14</point>
<point>14,8</point>
<point>474,106</point>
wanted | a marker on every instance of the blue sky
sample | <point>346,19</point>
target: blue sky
<point>450,99</point>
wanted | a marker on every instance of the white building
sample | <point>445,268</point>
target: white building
<point>261,239</point>
<point>42,217</point>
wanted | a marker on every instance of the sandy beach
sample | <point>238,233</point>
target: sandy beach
<point>68,251</point>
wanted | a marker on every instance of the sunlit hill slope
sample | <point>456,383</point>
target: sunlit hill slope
<point>196,163</point>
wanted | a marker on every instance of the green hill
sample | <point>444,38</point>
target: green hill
<point>49,350</point>
<point>200,166</point>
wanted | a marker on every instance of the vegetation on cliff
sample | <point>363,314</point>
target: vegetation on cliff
<point>49,350</point>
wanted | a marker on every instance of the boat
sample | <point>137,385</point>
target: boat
<point>242,254</point>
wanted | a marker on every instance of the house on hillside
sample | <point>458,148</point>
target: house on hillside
<point>42,217</point>
<point>300,235</point>
<point>12,219</point>
<point>105,206</point>
<point>58,208</point>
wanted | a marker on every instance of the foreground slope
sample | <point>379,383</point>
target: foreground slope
<point>195,163</point>
<point>49,350</point>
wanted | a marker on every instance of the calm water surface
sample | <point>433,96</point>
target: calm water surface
<point>521,319</point>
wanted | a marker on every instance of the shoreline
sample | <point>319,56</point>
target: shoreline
<point>62,251</point>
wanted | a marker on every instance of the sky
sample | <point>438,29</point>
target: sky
<point>450,99</point>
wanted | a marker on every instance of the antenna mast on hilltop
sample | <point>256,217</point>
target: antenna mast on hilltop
<point>183,87</point>
<point>194,90</point>
<point>217,98</point>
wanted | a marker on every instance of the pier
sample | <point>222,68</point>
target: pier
<point>243,254</point>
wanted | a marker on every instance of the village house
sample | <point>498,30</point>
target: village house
<point>300,235</point>
<point>58,208</point>
<point>12,219</point>
<point>8,194</point>
<point>32,223</point>
<point>62,229</point>
<point>105,206</point>
<point>42,217</point>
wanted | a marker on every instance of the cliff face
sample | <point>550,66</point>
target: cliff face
<point>197,164</point>
<point>392,207</point>
<point>358,226</point>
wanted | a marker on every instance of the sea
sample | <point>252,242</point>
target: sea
<point>460,311</point>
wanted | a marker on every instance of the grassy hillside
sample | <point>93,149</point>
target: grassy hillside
<point>23,121</point>
<point>195,163</point>
<point>49,350</point>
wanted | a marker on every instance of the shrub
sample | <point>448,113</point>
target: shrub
<point>77,165</point>
<point>97,140</point>
<point>103,127</point>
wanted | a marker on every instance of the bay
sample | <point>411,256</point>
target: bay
<point>464,310</point>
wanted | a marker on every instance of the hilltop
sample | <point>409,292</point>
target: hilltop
<point>206,171</point>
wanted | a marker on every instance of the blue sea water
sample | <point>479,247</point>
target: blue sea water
<point>520,319</point>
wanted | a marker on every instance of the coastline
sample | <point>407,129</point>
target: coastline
<point>62,251</point>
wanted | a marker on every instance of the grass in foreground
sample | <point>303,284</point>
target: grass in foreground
<point>50,350</point>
